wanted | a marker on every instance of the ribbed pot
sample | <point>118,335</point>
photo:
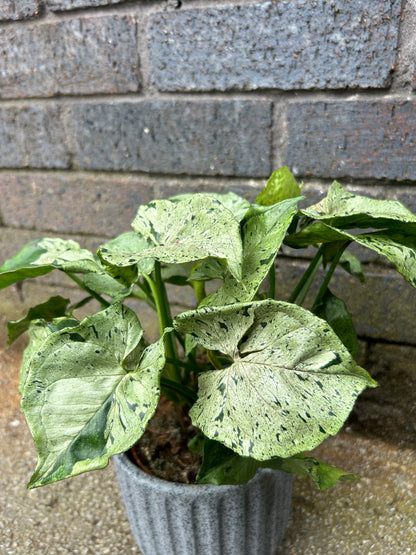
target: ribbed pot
<point>169,518</point>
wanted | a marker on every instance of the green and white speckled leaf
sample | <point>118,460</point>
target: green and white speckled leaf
<point>38,332</point>
<point>292,382</point>
<point>281,185</point>
<point>263,231</point>
<point>120,257</point>
<point>342,209</point>
<point>44,255</point>
<point>208,269</point>
<point>185,231</point>
<point>235,203</point>
<point>89,393</point>
<point>397,246</point>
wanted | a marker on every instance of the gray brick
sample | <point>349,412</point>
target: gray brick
<point>78,56</point>
<point>64,5</point>
<point>382,308</point>
<point>290,44</point>
<point>33,136</point>
<point>103,206</point>
<point>362,139</point>
<point>174,136</point>
<point>19,9</point>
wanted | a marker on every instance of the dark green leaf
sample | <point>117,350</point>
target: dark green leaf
<point>335,312</point>
<point>352,265</point>
<point>314,234</point>
<point>223,466</point>
<point>324,475</point>
<point>54,307</point>
<point>103,283</point>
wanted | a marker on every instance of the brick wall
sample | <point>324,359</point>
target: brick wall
<point>105,104</point>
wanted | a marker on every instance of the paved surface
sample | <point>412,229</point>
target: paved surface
<point>85,515</point>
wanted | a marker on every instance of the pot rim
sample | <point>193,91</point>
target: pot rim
<point>164,485</point>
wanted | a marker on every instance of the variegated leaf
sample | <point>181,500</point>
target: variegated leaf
<point>291,384</point>
<point>184,231</point>
<point>120,257</point>
<point>342,209</point>
<point>44,255</point>
<point>88,394</point>
<point>263,232</point>
<point>236,204</point>
<point>397,246</point>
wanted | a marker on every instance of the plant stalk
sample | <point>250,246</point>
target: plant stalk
<point>165,321</point>
<point>272,281</point>
<point>328,276</point>
<point>307,278</point>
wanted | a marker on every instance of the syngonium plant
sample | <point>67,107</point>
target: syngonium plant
<point>266,380</point>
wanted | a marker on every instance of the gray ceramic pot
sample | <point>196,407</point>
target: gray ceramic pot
<point>202,519</point>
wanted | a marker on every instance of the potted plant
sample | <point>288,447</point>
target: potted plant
<point>254,383</point>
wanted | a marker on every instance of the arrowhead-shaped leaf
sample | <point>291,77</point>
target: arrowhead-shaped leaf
<point>184,231</point>
<point>87,394</point>
<point>263,231</point>
<point>281,185</point>
<point>292,382</point>
<point>342,209</point>
<point>44,255</point>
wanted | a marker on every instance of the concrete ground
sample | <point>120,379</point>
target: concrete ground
<point>85,515</point>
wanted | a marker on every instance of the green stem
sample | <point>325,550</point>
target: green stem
<point>96,296</point>
<point>272,281</point>
<point>214,360</point>
<point>307,278</point>
<point>158,290</point>
<point>179,389</point>
<point>80,304</point>
<point>143,296</point>
<point>181,363</point>
<point>329,275</point>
